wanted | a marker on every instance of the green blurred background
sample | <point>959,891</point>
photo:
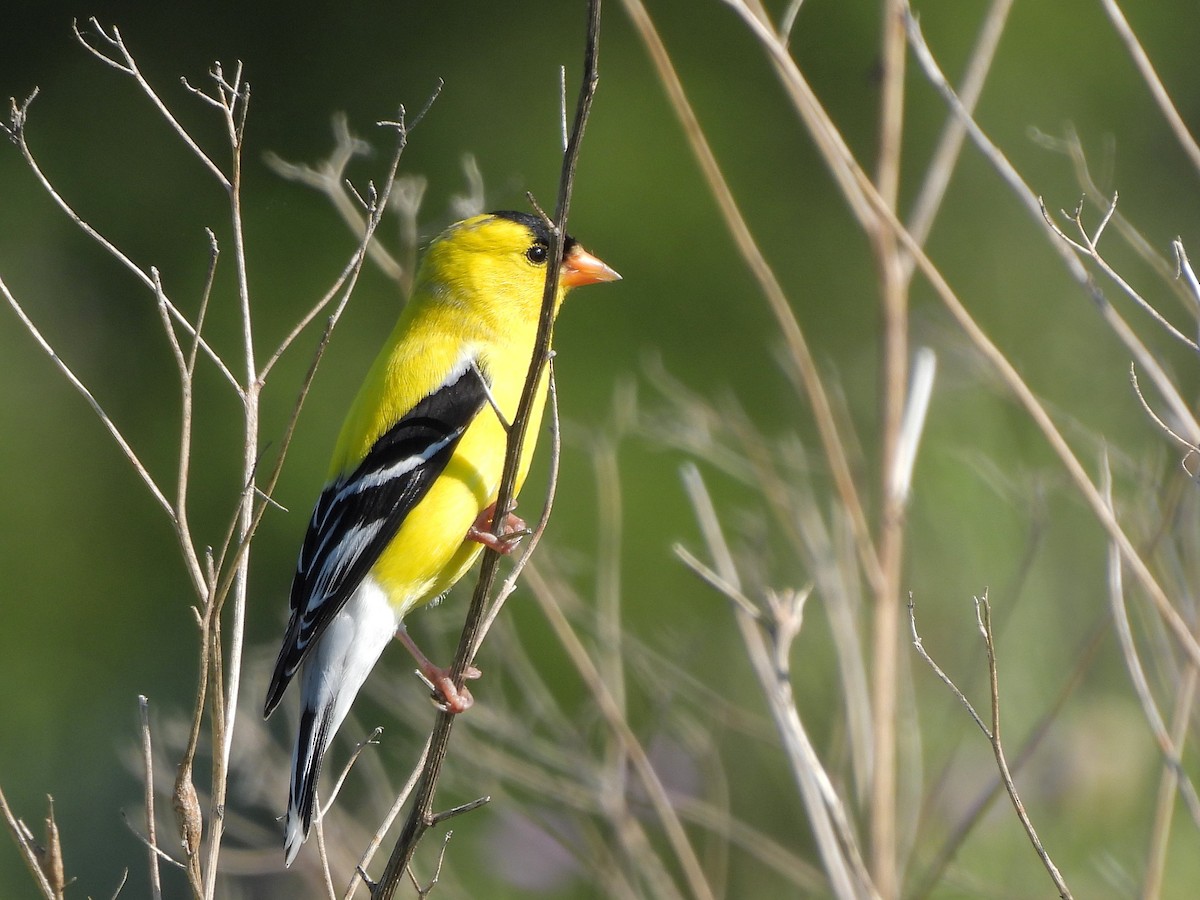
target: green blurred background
<point>95,605</point>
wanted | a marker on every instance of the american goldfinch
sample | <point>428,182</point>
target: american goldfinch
<point>412,486</point>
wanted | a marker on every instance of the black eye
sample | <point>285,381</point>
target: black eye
<point>537,254</point>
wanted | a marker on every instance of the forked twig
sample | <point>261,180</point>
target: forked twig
<point>983,614</point>
<point>126,450</point>
<point>113,52</point>
<point>835,838</point>
<point>28,848</point>
<point>1179,628</point>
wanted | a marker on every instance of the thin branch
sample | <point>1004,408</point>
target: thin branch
<point>983,613</point>
<point>370,740</point>
<point>1072,147</point>
<point>798,349</point>
<point>420,816</point>
<point>535,536</point>
<point>385,826</point>
<point>157,852</point>
<point>234,102</point>
<point>942,163</point>
<point>835,838</point>
<point>105,420</point>
<point>191,559</point>
<point>1172,757</point>
<point>889,541</point>
<point>151,827</point>
<point>16,131</point>
<point>1189,275</point>
<point>1154,416</point>
<point>1089,245</point>
<point>113,46</point>
<point>28,848</point>
<point>977,808</point>
<point>1157,90</point>
<point>1033,407</point>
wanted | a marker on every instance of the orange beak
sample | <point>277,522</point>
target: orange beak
<point>580,267</point>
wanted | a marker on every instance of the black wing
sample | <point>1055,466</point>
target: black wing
<point>357,515</point>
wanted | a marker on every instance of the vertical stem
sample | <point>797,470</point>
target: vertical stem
<point>1168,789</point>
<point>236,96</point>
<point>421,816</point>
<point>893,376</point>
<point>151,824</point>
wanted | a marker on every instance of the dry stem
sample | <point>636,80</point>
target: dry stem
<point>983,613</point>
<point>421,816</point>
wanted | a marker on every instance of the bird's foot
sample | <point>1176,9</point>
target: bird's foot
<point>447,696</point>
<point>512,529</point>
<point>443,692</point>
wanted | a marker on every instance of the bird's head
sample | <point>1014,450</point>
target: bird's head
<point>500,258</point>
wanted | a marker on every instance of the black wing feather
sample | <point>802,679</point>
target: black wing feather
<point>358,515</point>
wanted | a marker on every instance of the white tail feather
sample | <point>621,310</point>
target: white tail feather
<point>331,677</point>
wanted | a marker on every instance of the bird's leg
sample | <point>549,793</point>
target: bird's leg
<point>453,699</point>
<point>511,532</point>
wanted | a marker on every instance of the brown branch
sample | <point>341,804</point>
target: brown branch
<point>800,354</point>
<point>151,827</point>
<point>421,816</point>
<point>983,612</point>
<point>767,647</point>
<point>889,544</point>
<point>29,850</point>
<point>1173,619</point>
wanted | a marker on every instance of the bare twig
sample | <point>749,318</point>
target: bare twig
<point>950,143</point>
<point>113,52</point>
<point>1154,416</point>
<point>978,807</point>
<point>1172,758</point>
<point>425,890</point>
<point>535,536</point>
<point>151,827</point>
<point>126,450</point>
<point>1165,105</point>
<point>614,718</point>
<point>370,740</point>
<point>798,349</point>
<point>385,826</point>
<point>421,815</point>
<point>889,542</point>
<point>836,841</point>
<point>157,852</point>
<point>1033,407</point>
<point>1189,276</point>
<point>1089,245</point>
<point>30,850</point>
<point>983,613</point>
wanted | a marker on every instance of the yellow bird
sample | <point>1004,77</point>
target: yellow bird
<point>412,486</point>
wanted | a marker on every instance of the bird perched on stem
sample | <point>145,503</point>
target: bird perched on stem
<point>412,486</point>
